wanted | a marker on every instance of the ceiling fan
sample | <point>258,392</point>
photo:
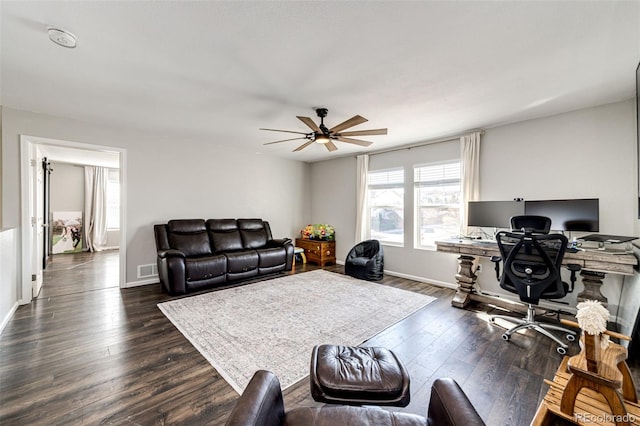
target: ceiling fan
<point>322,134</point>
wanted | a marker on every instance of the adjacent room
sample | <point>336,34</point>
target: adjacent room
<point>277,212</point>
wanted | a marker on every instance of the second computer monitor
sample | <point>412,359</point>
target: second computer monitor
<point>493,214</point>
<point>567,215</point>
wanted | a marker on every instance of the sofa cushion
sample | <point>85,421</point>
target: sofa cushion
<point>222,225</point>
<point>272,257</point>
<point>224,234</point>
<point>189,236</point>
<point>253,233</point>
<point>226,241</point>
<point>205,267</point>
<point>241,261</point>
<point>186,226</point>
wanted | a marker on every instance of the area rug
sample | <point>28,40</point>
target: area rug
<point>274,324</point>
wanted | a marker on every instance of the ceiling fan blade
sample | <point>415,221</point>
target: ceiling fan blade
<point>286,131</point>
<point>353,121</point>
<point>330,146</point>
<point>303,146</point>
<point>283,140</point>
<point>354,141</point>
<point>310,123</point>
<point>365,132</point>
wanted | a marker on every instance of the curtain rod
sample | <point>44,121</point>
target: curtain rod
<point>430,142</point>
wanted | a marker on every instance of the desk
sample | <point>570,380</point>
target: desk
<point>594,264</point>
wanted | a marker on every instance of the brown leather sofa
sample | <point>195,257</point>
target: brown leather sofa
<point>194,254</point>
<point>261,404</point>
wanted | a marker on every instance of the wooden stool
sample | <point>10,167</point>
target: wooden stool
<point>299,251</point>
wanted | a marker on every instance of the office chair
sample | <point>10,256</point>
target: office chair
<point>531,223</point>
<point>531,269</point>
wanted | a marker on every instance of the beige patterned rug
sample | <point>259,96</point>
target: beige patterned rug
<point>274,324</point>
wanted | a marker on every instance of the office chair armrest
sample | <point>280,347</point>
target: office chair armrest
<point>573,267</point>
<point>496,260</point>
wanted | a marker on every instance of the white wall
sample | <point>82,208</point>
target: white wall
<point>585,153</point>
<point>67,187</point>
<point>170,177</point>
<point>333,199</point>
<point>8,275</point>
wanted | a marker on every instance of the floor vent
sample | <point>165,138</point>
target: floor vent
<point>145,271</point>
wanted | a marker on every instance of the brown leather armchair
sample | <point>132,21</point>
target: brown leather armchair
<point>261,404</point>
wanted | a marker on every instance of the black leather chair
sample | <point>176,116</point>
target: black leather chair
<point>261,404</point>
<point>531,223</point>
<point>531,269</point>
<point>365,261</point>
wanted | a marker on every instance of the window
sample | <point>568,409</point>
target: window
<point>437,195</point>
<point>113,199</point>
<point>385,195</point>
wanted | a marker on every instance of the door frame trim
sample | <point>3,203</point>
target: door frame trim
<point>26,200</point>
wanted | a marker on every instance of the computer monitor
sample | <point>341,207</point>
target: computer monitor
<point>493,214</point>
<point>567,215</point>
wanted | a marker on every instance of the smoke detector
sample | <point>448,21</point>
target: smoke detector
<point>62,37</point>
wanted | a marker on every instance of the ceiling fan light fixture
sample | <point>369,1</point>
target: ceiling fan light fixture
<point>327,136</point>
<point>323,139</point>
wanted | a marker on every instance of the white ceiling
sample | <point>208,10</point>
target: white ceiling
<point>222,70</point>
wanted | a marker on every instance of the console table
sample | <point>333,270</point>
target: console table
<point>594,264</point>
<point>318,251</point>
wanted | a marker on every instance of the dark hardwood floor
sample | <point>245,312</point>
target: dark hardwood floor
<point>88,353</point>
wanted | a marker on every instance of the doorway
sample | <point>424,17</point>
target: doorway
<point>38,157</point>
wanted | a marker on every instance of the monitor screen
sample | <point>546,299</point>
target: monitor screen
<point>494,214</point>
<point>567,215</point>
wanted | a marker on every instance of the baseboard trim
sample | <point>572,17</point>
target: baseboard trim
<point>8,317</point>
<point>422,279</point>
<point>142,282</point>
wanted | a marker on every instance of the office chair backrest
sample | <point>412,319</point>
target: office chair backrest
<point>532,265</point>
<point>531,223</point>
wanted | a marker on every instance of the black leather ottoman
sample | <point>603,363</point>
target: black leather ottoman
<point>358,376</point>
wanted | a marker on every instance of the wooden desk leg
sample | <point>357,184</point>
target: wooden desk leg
<point>592,282</point>
<point>466,279</point>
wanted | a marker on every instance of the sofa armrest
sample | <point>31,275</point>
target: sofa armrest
<point>164,254</point>
<point>450,406</point>
<point>281,242</point>
<point>260,404</point>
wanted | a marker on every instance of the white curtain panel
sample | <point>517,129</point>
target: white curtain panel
<point>470,174</point>
<point>361,198</point>
<point>95,207</point>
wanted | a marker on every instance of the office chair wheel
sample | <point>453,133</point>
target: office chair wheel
<point>571,337</point>
<point>506,337</point>
<point>561,350</point>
